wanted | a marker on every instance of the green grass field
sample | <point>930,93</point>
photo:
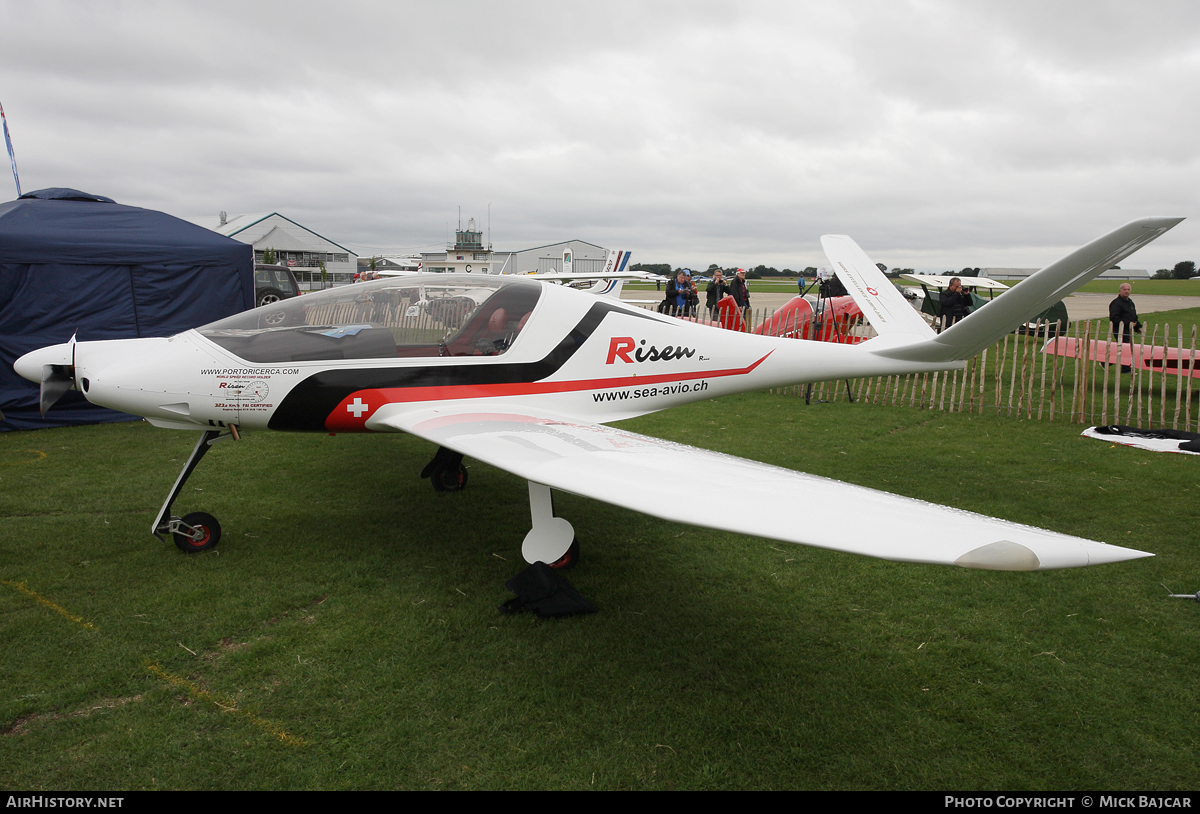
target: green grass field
<point>1176,288</point>
<point>345,632</point>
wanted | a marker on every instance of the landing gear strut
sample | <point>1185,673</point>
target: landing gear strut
<point>552,539</point>
<point>198,531</point>
<point>446,471</point>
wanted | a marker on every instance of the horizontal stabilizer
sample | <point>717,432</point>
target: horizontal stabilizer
<point>627,469</point>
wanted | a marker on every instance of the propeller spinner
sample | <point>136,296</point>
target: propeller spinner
<point>54,367</point>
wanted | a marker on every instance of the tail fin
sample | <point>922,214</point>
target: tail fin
<point>884,306</point>
<point>608,288</point>
<point>1032,296</point>
<point>615,261</point>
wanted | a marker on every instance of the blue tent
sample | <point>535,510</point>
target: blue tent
<point>73,263</point>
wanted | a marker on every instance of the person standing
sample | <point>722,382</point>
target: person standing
<point>680,293</point>
<point>717,289</point>
<point>693,295</point>
<point>741,294</point>
<point>956,303</point>
<point>1122,313</point>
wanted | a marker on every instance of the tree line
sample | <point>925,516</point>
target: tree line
<point>1185,269</point>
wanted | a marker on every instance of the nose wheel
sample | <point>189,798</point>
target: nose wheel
<point>198,531</point>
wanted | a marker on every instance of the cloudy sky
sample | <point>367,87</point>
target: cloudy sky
<point>937,134</point>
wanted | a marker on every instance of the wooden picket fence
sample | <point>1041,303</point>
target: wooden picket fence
<point>1015,378</point>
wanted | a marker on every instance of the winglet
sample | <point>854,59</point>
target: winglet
<point>1033,295</point>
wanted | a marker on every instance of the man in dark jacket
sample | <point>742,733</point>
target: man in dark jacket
<point>1123,315</point>
<point>1122,311</point>
<point>956,303</point>
<point>681,296</point>
<point>717,289</point>
<point>741,294</point>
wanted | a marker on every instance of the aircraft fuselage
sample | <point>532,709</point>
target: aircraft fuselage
<point>572,352</point>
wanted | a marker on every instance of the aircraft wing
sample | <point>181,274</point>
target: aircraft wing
<point>563,276</point>
<point>943,281</point>
<point>643,473</point>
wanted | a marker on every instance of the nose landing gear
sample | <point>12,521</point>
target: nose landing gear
<point>198,531</point>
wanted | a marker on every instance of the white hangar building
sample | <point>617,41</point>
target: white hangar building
<point>585,258</point>
<point>295,246</point>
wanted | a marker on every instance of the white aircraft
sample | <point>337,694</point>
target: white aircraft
<point>524,376</point>
<point>400,266</point>
<point>607,282</point>
<point>940,281</point>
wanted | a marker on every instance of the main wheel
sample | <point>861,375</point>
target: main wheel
<point>207,533</point>
<point>449,478</point>
<point>568,560</point>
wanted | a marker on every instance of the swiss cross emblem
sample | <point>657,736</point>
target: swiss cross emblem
<point>872,292</point>
<point>357,407</point>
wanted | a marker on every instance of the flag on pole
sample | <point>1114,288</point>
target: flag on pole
<point>12,158</point>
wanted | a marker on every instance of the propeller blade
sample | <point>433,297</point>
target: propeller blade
<point>56,380</point>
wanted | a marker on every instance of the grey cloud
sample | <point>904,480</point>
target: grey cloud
<point>943,133</point>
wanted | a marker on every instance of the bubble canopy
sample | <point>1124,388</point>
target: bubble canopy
<point>412,316</point>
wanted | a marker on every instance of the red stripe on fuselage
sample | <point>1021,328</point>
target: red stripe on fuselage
<point>366,402</point>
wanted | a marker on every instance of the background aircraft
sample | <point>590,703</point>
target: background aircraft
<point>607,282</point>
<point>1054,313</point>
<point>1136,354</point>
<point>524,375</point>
